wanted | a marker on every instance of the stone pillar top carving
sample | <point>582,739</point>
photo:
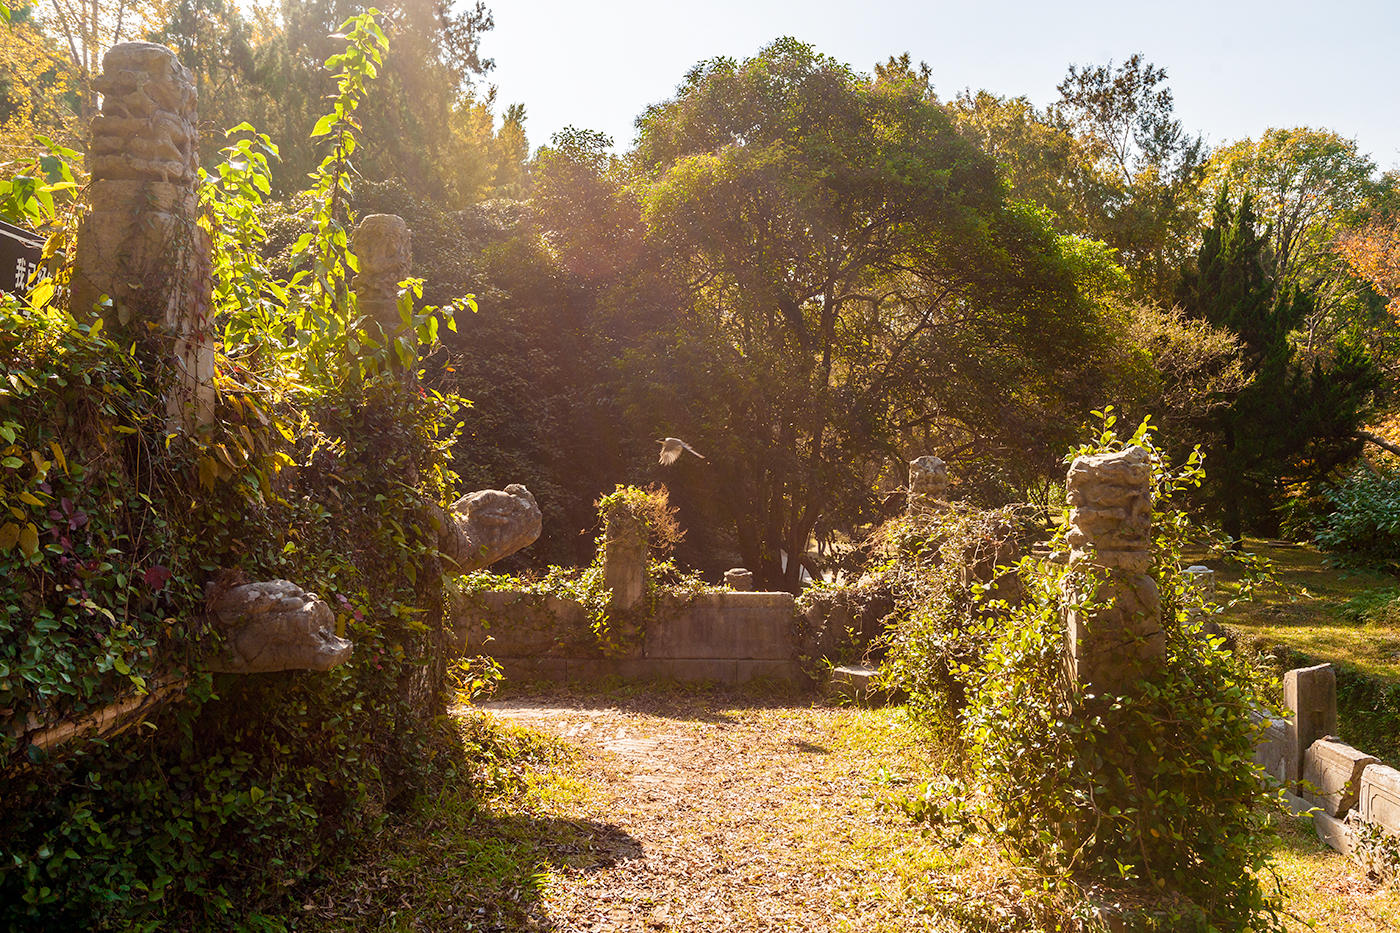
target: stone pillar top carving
<point>928,482</point>
<point>1110,501</point>
<point>383,245</point>
<point>146,129</point>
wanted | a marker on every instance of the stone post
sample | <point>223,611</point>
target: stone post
<point>625,562</point>
<point>739,579</point>
<point>140,244</point>
<point>928,483</point>
<point>383,247</point>
<point>1110,498</point>
<point>1311,694</point>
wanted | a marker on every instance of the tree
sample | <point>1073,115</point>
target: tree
<point>1311,187</point>
<point>1295,421</point>
<point>1138,196</point>
<point>855,274</point>
<point>38,89</point>
<point>1373,252</point>
<point>1041,161</point>
<point>425,95</point>
<point>87,29</point>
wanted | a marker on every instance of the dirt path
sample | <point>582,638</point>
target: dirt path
<point>730,815</point>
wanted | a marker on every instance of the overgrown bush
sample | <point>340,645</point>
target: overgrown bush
<point>1362,526</point>
<point>318,463</point>
<point>1154,792</point>
<point>929,567</point>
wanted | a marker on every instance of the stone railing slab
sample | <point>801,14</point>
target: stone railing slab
<point>1332,775</point>
<point>1379,797</point>
<point>739,626</point>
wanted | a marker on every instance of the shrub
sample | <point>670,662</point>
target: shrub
<point>1362,526</point>
<point>929,567</point>
<point>318,460</point>
<point>1154,791</point>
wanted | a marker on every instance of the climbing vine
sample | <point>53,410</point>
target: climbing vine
<point>115,531</point>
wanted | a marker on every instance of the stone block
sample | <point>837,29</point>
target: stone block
<point>1379,797</point>
<point>1271,747</point>
<point>787,672</point>
<point>1332,775</point>
<point>512,623</point>
<point>731,626</point>
<point>706,670</point>
<point>523,670</point>
<point>1310,693</point>
<point>739,579</point>
<point>853,682</point>
<point>1336,833</point>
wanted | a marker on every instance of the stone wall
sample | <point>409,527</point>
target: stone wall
<point>717,637</point>
<point>1353,798</point>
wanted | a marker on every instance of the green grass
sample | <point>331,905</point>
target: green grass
<point>1323,891</point>
<point>1323,613</point>
<point>476,853</point>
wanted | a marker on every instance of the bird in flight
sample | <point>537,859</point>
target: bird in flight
<point>671,449</point>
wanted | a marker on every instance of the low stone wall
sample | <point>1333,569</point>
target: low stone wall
<point>724,637</point>
<point>1354,799</point>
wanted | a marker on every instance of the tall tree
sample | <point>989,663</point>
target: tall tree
<point>1139,196</point>
<point>854,273</point>
<point>38,88</point>
<point>87,29</point>
<point>408,125</point>
<point>1311,187</point>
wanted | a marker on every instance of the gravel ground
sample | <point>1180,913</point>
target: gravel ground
<point>727,813</point>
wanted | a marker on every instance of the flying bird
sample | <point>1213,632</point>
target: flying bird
<point>671,449</point>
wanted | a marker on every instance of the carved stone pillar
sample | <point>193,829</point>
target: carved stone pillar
<point>140,244</point>
<point>928,483</point>
<point>625,562</point>
<point>383,246</point>
<point>1121,640</point>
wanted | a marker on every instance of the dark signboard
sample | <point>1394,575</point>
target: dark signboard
<point>19,257</point>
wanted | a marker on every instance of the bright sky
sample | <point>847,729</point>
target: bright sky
<point>1236,67</point>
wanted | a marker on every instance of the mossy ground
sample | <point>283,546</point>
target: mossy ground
<point>693,810</point>
<point>1324,612</point>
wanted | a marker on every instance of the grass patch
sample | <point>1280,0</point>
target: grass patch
<point>1342,616</point>
<point>1346,617</point>
<point>1324,891</point>
<point>475,853</point>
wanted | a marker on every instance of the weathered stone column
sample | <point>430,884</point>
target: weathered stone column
<point>383,246</point>
<point>1110,498</point>
<point>625,562</point>
<point>928,483</point>
<point>140,243</point>
<point>1310,693</point>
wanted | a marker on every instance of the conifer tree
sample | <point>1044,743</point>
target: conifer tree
<point>1293,423</point>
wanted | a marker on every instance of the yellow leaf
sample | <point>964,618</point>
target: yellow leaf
<point>29,540</point>
<point>30,498</point>
<point>58,457</point>
<point>9,534</point>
